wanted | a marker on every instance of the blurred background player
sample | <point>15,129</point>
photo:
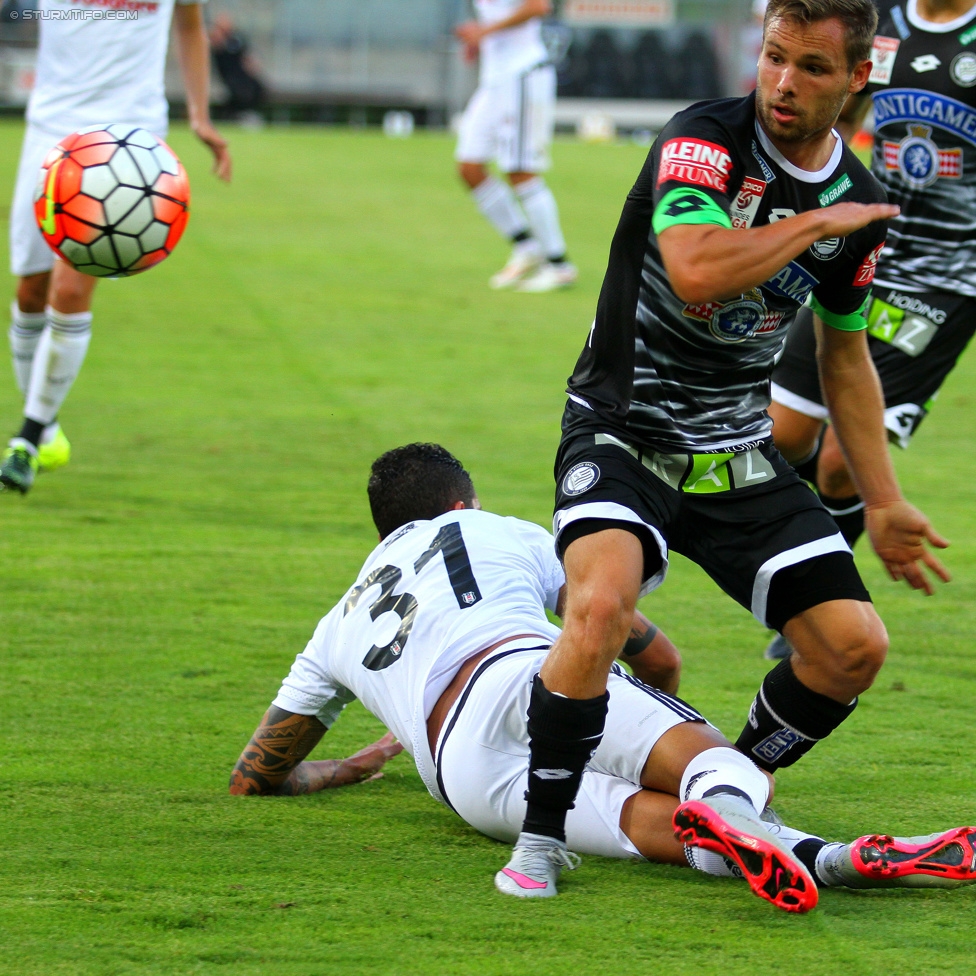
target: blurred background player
<point>509,119</point>
<point>89,72</point>
<point>923,307</point>
<point>238,70</point>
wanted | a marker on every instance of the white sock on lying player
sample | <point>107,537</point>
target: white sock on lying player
<point>57,362</point>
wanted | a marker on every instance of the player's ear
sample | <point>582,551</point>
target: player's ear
<point>859,77</point>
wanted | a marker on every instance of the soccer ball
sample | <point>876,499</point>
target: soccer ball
<point>112,200</point>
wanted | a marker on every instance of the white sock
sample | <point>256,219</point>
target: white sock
<point>25,333</point>
<point>497,202</point>
<point>540,207</point>
<point>720,767</point>
<point>57,362</point>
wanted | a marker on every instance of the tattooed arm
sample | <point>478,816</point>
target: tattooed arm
<point>273,763</point>
<point>652,656</point>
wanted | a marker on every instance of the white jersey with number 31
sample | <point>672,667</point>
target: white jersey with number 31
<point>430,596</point>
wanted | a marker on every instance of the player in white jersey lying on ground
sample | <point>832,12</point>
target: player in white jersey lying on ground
<point>91,70</point>
<point>509,120</point>
<point>441,636</point>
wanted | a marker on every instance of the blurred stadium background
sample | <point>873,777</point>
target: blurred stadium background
<point>624,65</point>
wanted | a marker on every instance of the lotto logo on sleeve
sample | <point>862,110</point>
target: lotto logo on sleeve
<point>695,161</point>
<point>865,273</point>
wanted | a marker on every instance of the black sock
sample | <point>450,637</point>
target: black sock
<point>563,735</point>
<point>31,431</point>
<point>806,853</point>
<point>522,235</point>
<point>787,720</point>
<point>848,513</point>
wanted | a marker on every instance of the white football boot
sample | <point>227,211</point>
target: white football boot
<point>534,867</point>
<point>549,277</point>
<point>526,256</point>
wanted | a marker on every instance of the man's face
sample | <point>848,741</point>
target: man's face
<point>803,78</point>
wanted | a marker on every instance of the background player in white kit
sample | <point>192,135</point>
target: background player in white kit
<point>509,120</point>
<point>89,72</point>
<point>440,637</point>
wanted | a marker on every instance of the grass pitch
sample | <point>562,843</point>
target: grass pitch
<point>329,305</point>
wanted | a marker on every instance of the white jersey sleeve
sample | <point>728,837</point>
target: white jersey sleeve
<point>309,689</point>
<point>539,542</point>
<point>99,63</point>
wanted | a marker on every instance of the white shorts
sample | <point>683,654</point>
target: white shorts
<point>483,753</point>
<point>510,122</point>
<point>29,253</point>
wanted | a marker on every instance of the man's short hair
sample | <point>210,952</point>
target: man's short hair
<point>415,482</point>
<point>859,17</point>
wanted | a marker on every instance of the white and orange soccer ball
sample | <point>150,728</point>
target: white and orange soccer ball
<point>112,200</point>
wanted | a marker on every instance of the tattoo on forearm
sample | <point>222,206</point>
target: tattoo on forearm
<point>642,633</point>
<point>270,762</point>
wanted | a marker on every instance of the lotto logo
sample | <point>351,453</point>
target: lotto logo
<point>695,161</point>
<point>865,273</point>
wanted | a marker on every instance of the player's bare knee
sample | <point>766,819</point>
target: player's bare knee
<point>858,658</point>
<point>70,293</point>
<point>32,292</point>
<point>472,173</point>
<point>600,621</point>
<point>833,478</point>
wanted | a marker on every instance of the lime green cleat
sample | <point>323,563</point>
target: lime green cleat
<point>55,454</point>
<point>18,469</point>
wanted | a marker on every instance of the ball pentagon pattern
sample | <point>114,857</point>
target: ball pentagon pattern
<point>112,200</point>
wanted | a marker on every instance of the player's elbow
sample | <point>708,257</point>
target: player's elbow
<point>693,287</point>
<point>243,783</point>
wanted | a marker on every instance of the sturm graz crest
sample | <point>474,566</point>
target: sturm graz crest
<point>737,320</point>
<point>918,158</point>
<point>580,477</point>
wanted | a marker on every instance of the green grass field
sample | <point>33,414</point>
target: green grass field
<point>331,304</point>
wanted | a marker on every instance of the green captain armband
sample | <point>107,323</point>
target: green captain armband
<point>851,322</point>
<point>688,206</point>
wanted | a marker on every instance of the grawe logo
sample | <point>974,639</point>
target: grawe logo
<point>865,273</point>
<point>695,161</point>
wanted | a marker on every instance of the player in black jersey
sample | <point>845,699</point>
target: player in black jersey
<point>745,209</point>
<point>923,309</point>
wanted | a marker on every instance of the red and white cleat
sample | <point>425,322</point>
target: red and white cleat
<point>942,860</point>
<point>723,825</point>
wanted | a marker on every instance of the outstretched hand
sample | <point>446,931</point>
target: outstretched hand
<point>898,532</point>
<point>217,144</point>
<point>845,218</point>
<point>368,762</point>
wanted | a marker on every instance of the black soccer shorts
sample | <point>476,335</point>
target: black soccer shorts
<point>745,517</point>
<point>915,339</point>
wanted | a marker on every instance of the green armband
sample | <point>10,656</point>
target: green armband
<point>851,322</point>
<point>688,206</point>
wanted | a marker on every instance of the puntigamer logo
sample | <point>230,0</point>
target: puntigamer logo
<point>835,191</point>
